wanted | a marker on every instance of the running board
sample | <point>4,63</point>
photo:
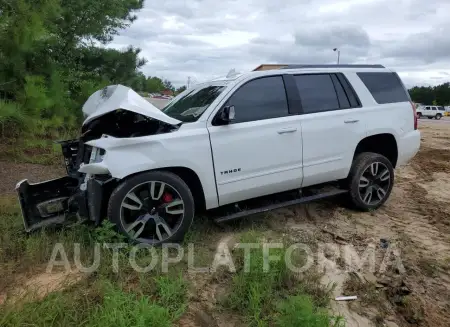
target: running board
<point>305,199</point>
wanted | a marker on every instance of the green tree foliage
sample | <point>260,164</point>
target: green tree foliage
<point>180,89</point>
<point>154,84</point>
<point>51,61</point>
<point>439,95</point>
<point>168,85</point>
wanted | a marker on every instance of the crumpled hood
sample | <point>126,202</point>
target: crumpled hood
<point>115,97</point>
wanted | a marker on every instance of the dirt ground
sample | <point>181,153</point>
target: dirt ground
<point>416,219</point>
<point>414,224</point>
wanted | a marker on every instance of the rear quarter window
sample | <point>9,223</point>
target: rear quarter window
<point>385,87</point>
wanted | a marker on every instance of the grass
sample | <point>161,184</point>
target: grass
<point>277,295</point>
<point>172,294</point>
<point>104,304</point>
<point>125,297</point>
<point>300,311</point>
<point>129,298</point>
<point>103,298</point>
<point>36,151</point>
<point>25,139</point>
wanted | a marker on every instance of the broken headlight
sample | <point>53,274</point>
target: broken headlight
<point>97,155</point>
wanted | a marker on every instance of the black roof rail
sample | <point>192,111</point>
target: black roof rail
<point>333,66</point>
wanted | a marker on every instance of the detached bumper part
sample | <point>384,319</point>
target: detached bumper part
<point>45,203</point>
<point>97,194</point>
<point>54,202</point>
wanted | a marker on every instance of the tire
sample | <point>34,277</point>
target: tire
<point>419,115</point>
<point>163,183</point>
<point>361,168</point>
<point>438,116</point>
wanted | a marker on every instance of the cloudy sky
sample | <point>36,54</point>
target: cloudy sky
<point>206,38</point>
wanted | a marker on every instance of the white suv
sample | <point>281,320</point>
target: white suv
<point>221,143</point>
<point>431,112</point>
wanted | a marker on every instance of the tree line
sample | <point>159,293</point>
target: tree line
<point>436,95</point>
<point>52,57</point>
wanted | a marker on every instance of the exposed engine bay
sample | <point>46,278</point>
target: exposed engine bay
<point>123,123</point>
<point>115,111</point>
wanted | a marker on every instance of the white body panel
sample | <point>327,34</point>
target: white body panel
<point>329,142</point>
<point>314,148</point>
<point>189,148</point>
<point>116,97</point>
<point>250,156</point>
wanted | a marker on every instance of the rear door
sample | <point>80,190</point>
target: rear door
<point>433,111</point>
<point>260,151</point>
<point>332,125</point>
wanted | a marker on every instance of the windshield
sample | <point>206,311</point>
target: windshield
<point>192,105</point>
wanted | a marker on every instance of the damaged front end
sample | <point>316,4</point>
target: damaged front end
<point>115,111</point>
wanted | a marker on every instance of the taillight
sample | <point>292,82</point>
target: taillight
<point>414,113</point>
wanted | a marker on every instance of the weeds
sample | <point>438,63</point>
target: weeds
<point>125,297</point>
<point>301,311</point>
<point>104,298</point>
<point>125,309</point>
<point>12,119</point>
<point>103,304</point>
<point>106,233</point>
<point>172,294</point>
<point>262,295</point>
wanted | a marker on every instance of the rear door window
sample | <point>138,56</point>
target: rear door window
<point>317,93</point>
<point>344,103</point>
<point>325,92</point>
<point>385,87</point>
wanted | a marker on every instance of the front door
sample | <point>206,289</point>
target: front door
<point>260,151</point>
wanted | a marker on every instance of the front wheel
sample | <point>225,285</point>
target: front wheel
<point>153,208</point>
<point>370,180</point>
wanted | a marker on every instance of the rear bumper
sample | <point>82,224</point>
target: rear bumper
<point>408,146</point>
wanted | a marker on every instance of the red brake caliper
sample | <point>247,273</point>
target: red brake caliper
<point>167,198</point>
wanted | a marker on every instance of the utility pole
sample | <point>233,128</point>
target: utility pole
<point>338,54</point>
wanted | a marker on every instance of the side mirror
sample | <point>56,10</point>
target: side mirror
<point>227,114</point>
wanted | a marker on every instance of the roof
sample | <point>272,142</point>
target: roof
<point>270,66</point>
<point>294,66</point>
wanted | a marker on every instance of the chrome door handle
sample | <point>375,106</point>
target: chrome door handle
<point>287,130</point>
<point>351,121</point>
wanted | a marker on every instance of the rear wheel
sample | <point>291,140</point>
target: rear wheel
<point>153,208</point>
<point>438,116</point>
<point>419,115</point>
<point>370,180</point>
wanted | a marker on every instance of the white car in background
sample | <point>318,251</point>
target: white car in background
<point>436,112</point>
